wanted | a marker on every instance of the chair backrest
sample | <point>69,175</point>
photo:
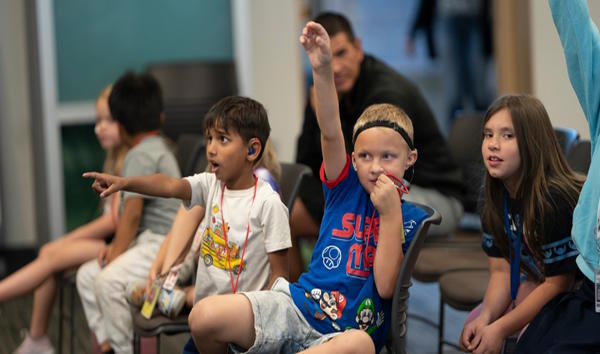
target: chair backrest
<point>190,149</point>
<point>403,282</point>
<point>291,176</point>
<point>464,142</point>
<point>567,138</point>
<point>580,155</point>
<point>190,89</point>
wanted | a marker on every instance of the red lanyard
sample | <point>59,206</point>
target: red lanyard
<point>237,279</point>
<point>402,189</point>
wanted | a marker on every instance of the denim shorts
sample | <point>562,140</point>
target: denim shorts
<point>279,326</point>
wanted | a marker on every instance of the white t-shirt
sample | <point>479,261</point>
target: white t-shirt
<point>269,232</point>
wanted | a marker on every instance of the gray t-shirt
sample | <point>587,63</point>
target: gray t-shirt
<point>148,157</point>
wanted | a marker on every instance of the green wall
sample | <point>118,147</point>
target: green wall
<point>97,40</point>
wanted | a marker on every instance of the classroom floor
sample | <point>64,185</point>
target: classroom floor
<point>422,339</point>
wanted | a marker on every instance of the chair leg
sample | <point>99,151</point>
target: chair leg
<point>72,319</point>
<point>441,326</point>
<point>60,314</point>
<point>136,343</point>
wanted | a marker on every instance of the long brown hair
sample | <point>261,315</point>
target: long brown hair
<point>543,168</point>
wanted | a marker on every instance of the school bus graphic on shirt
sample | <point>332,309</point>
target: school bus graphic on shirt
<point>214,252</point>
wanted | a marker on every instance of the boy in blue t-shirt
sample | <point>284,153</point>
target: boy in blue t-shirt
<point>342,304</point>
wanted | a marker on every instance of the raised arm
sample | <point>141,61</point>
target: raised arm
<point>315,40</point>
<point>581,44</point>
<point>158,185</point>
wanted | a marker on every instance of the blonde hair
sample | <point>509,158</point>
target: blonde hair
<point>270,162</point>
<point>384,112</point>
<point>116,155</point>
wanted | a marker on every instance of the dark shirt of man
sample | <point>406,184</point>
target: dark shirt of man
<point>378,83</point>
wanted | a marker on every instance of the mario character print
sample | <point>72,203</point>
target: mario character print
<point>331,305</point>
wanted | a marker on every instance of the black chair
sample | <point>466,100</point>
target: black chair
<point>397,343</point>
<point>156,326</point>
<point>190,88</point>
<point>291,176</point>
<point>580,156</point>
<point>66,281</point>
<point>190,153</point>
<point>567,138</point>
<point>464,142</point>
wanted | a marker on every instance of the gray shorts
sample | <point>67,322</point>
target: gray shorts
<point>278,324</point>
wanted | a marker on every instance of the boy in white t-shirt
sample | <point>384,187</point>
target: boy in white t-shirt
<point>243,239</point>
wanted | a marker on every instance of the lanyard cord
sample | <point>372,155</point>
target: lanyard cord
<point>516,257</point>
<point>234,286</point>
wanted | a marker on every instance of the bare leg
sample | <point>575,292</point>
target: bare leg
<point>302,225</point>
<point>211,323</point>
<point>53,257</point>
<point>42,307</point>
<point>349,342</point>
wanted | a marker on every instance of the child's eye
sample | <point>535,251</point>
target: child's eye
<point>487,135</point>
<point>364,156</point>
<point>223,139</point>
<point>387,156</point>
<point>508,135</point>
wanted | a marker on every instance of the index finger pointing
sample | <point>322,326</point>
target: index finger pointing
<point>90,175</point>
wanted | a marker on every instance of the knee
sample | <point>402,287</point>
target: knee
<point>203,320</point>
<point>47,251</point>
<point>357,341</point>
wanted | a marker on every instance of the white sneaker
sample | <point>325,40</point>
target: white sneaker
<point>30,345</point>
<point>170,302</point>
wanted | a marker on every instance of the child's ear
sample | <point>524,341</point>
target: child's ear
<point>254,149</point>
<point>353,162</point>
<point>411,158</point>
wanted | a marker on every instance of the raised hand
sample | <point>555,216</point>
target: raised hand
<point>105,184</point>
<point>315,40</point>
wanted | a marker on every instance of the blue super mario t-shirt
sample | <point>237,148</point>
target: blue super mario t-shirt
<point>338,292</point>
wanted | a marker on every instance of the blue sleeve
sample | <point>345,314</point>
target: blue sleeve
<point>581,43</point>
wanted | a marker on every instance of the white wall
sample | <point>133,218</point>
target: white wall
<point>16,156</point>
<point>268,58</point>
<point>550,81</point>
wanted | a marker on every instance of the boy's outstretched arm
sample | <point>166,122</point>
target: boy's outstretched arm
<point>158,185</point>
<point>315,40</point>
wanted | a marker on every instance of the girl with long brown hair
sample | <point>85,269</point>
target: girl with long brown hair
<point>529,196</point>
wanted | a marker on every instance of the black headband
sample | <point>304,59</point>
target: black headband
<point>385,124</point>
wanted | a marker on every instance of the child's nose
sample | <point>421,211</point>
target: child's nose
<point>493,144</point>
<point>377,167</point>
<point>210,148</point>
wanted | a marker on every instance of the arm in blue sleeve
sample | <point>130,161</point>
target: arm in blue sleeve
<point>581,43</point>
